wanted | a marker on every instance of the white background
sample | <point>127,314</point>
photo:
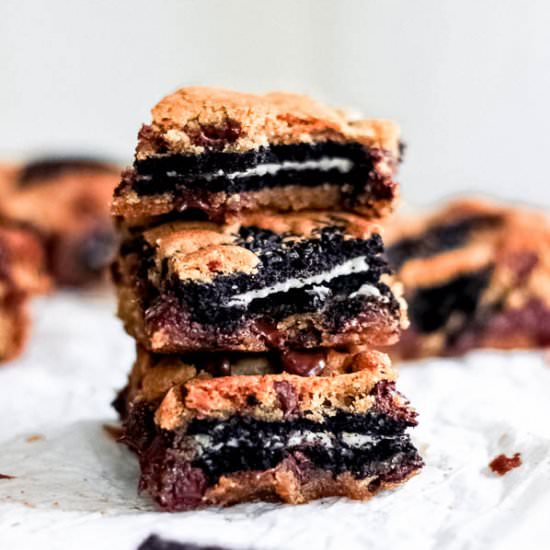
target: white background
<point>469,81</point>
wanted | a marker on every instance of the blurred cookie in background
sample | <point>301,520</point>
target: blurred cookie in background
<point>22,274</point>
<point>65,200</point>
<point>476,275</point>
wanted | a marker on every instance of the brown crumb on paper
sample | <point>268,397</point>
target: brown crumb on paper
<point>5,476</point>
<point>113,431</point>
<point>34,437</point>
<point>502,464</point>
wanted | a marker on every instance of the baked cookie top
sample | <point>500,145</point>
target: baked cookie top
<point>185,390</point>
<point>195,120</point>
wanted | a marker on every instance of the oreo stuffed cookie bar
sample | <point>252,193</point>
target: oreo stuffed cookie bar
<point>242,428</point>
<point>476,275</point>
<point>289,281</point>
<point>65,201</point>
<point>216,154</point>
<point>252,276</point>
<point>22,275</point>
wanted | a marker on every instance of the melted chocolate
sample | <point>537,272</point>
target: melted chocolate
<point>304,363</point>
<point>218,365</point>
<point>269,333</point>
<point>165,473</point>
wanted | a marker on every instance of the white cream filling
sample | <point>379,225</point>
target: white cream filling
<point>356,265</point>
<point>366,290</point>
<point>322,292</point>
<point>324,164</point>
<point>296,438</point>
<point>352,439</point>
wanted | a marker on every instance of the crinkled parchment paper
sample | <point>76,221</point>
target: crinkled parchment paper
<point>74,487</point>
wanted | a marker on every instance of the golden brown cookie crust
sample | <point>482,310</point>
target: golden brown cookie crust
<point>316,397</point>
<point>186,120</point>
<point>283,484</point>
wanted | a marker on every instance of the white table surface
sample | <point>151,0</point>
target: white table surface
<point>74,487</point>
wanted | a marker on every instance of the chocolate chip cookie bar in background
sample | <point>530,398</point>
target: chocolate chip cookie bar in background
<point>250,431</point>
<point>215,154</point>
<point>22,275</point>
<point>66,201</point>
<point>303,280</point>
<point>476,275</point>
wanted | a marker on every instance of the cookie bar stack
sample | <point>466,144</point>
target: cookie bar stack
<point>252,277</point>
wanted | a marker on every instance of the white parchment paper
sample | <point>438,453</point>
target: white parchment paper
<point>74,487</point>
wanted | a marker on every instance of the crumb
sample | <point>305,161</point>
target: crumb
<point>55,504</point>
<point>502,464</point>
<point>113,431</point>
<point>35,437</point>
<point>5,476</point>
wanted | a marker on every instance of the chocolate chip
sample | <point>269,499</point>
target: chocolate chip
<point>218,366</point>
<point>303,363</point>
<point>288,400</point>
<point>213,137</point>
<point>252,400</point>
<point>148,134</point>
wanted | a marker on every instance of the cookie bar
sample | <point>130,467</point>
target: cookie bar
<point>22,274</point>
<point>251,430</point>
<point>66,202</point>
<point>301,280</point>
<point>476,275</point>
<point>214,154</point>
